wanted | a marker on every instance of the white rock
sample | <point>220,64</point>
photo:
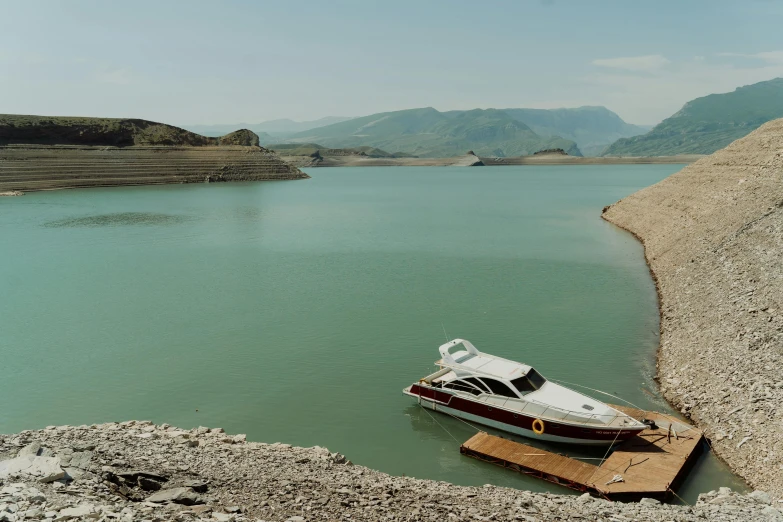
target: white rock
<point>31,449</point>
<point>761,496</point>
<point>44,469</point>
<point>80,512</point>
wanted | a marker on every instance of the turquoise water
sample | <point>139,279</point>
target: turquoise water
<point>296,311</point>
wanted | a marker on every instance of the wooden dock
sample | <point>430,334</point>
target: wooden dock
<point>651,464</point>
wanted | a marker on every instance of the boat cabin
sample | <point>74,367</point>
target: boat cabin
<point>478,373</point>
<point>512,385</point>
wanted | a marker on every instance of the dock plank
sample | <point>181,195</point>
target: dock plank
<point>651,464</point>
<point>529,458</point>
<point>659,457</point>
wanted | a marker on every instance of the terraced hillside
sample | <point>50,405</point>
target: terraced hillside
<point>36,167</point>
<point>44,153</point>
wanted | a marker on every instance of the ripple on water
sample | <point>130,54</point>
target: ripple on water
<point>118,219</point>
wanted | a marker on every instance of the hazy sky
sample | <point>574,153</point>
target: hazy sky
<point>195,62</point>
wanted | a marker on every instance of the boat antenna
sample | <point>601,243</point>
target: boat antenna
<point>444,332</point>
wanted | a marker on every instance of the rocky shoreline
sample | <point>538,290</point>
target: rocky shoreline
<point>136,470</point>
<point>713,238</point>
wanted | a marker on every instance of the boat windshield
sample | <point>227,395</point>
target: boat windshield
<point>529,383</point>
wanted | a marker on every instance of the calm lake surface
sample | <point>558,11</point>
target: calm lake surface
<point>296,311</point>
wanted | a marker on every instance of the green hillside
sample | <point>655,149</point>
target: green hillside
<point>429,133</point>
<point>707,124</point>
<point>592,128</point>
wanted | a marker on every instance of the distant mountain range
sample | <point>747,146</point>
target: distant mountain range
<point>702,126</point>
<point>429,133</point>
<point>707,124</point>
<point>488,132</point>
<point>592,128</point>
<point>266,130</point>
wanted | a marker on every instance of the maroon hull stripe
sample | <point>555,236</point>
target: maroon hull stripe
<point>519,420</point>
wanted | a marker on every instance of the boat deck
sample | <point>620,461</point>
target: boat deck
<point>651,464</point>
<point>547,413</point>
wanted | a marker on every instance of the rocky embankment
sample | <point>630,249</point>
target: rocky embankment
<point>713,237</point>
<point>36,167</point>
<point>43,153</point>
<point>139,471</point>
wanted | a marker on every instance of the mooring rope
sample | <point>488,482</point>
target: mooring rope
<point>610,446</point>
<point>599,391</point>
<point>439,424</point>
<point>463,420</point>
<point>678,496</point>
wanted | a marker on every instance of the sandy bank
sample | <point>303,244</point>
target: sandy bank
<point>713,237</point>
<point>468,160</point>
<point>46,167</point>
<point>140,471</point>
<point>560,159</point>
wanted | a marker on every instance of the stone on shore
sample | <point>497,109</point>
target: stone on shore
<point>183,495</point>
<point>43,469</point>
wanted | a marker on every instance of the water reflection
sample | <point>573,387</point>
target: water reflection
<point>119,219</point>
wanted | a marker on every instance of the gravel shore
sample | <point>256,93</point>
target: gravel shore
<point>141,471</point>
<point>713,237</point>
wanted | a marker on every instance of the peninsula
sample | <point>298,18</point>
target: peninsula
<point>44,153</point>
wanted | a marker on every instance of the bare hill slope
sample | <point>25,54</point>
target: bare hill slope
<point>43,152</point>
<point>713,236</point>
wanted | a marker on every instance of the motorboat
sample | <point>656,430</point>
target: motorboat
<point>514,397</point>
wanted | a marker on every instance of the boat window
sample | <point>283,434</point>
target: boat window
<point>498,388</point>
<point>536,378</point>
<point>523,385</point>
<point>529,383</point>
<point>477,383</point>
<point>463,386</point>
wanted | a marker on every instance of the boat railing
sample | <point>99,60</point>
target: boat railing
<point>552,412</point>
